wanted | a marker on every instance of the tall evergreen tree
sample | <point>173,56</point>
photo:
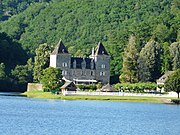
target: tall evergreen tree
<point>41,62</point>
<point>175,55</point>
<point>166,62</point>
<point>149,63</point>
<point>129,70</point>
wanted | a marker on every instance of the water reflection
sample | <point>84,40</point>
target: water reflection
<point>12,94</point>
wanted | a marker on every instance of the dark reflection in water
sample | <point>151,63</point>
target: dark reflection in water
<point>17,94</point>
<point>26,116</point>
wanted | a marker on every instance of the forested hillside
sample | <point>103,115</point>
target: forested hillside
<point>81,24</point>
<point>9,8</point>
<point>11,53</point>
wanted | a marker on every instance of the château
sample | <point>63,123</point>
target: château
<point>95,68</point>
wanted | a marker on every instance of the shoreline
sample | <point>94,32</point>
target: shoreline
<point>49,95</point>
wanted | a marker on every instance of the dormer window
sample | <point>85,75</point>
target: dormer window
<point>64,64</point>
<point>103,66</point>
<point>83,64</point>
<point>74,64</point>
<point>92,64</point>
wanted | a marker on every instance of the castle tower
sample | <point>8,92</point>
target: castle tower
<point>60,57</point>
<point>102,63</point>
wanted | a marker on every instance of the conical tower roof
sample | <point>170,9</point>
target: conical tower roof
<point>101,50</point>
<point>60,48</point>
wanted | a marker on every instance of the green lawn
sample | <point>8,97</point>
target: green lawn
<point>48,95</point>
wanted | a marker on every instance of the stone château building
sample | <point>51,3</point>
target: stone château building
<point>82,70</point>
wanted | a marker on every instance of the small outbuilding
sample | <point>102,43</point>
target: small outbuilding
<point>162,80</point>
<point>68,86</point>
<point>107,88</point>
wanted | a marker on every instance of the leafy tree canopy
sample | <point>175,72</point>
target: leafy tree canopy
<point>51,79</point>
<point>42,59</point>
<point>9,8</point>
<point>173,82</point>
<point>22,74</point>
<point>11,52</point>
<point>2,71</point>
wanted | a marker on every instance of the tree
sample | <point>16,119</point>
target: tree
<point>149,63</point>
<point>42,59</point>
<point>22,74</point>
<point>2,71</point>
<point>161,32</point>
<point>11,52</point>
<point>173,82</point>
<point>99,85</point>
<point>175,55</point>
<point>129,70</point>
<point>51,79</point>
<point>166,62</point>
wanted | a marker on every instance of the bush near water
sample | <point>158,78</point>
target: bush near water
<point>136,87</point>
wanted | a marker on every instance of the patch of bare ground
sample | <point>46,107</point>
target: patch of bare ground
<point>166,101</point>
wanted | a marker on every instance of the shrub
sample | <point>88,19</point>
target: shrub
<point>87,87</point>
<point>135,87</point>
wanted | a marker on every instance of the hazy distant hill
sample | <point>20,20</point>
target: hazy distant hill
<point>81,24</point>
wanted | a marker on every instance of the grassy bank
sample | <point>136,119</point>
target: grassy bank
<point>48,95</point>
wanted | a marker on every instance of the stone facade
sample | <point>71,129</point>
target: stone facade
<point>82,70</point>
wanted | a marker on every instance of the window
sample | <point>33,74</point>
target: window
<point>64,72</point>
<point>102,73</point>
<point>92,73</point>
<point>103,66</point>
<point>64,64</point>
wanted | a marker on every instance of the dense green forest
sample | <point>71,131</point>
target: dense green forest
<point>81,24</point>
<point>9,8</point>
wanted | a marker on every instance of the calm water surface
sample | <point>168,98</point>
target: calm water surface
<point>26,116</point>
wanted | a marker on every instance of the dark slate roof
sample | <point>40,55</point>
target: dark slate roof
<point>101,50</point>
<point>79,62</point>
<point>60,48</point>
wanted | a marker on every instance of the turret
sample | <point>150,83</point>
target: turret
<point>102,63</point>
<point>60,57</point>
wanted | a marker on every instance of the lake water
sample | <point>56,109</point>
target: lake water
<point>26,116</point>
